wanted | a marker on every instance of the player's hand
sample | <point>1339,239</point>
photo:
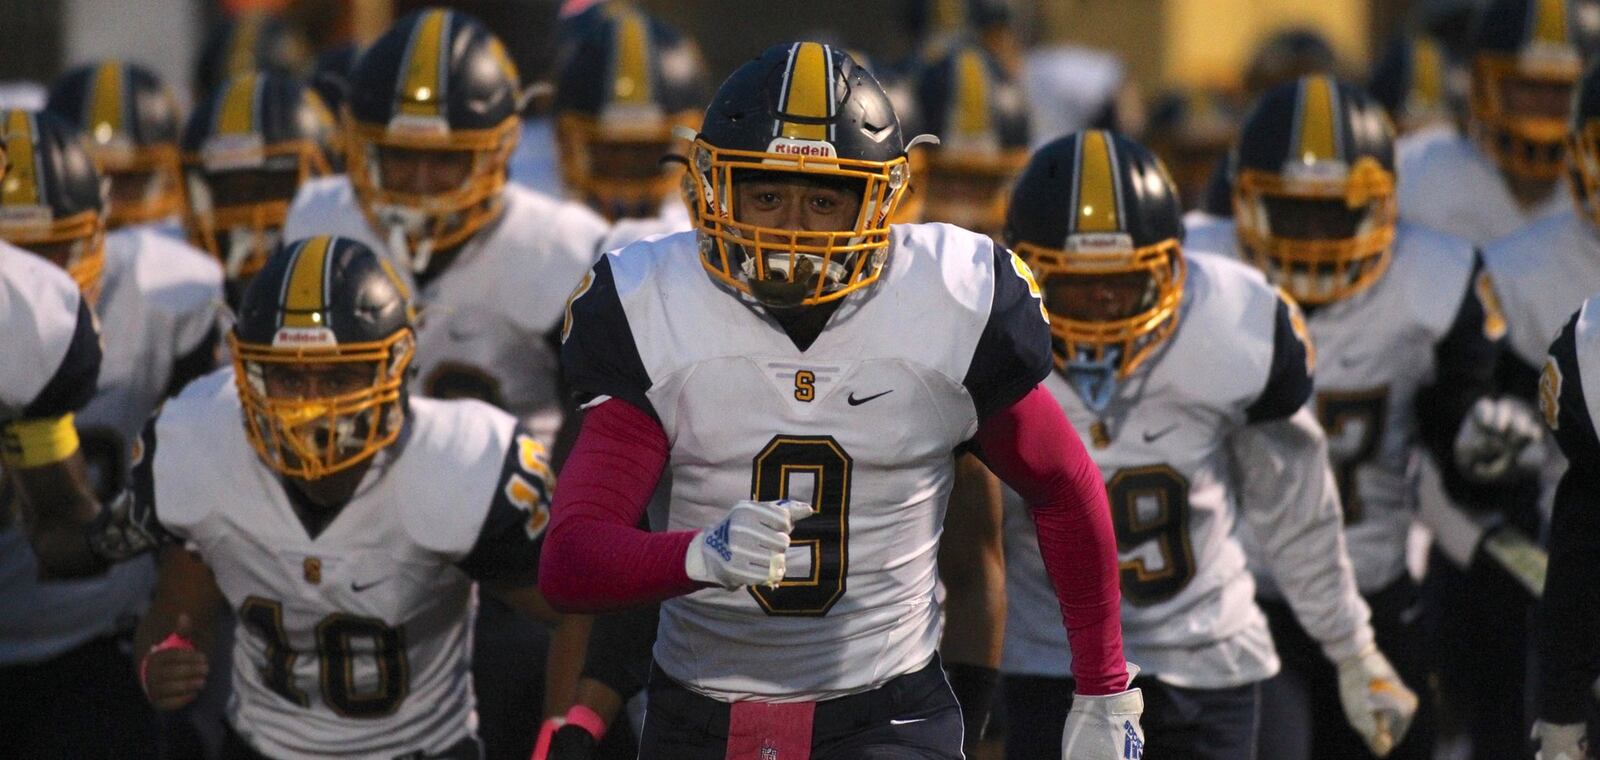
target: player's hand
<point>1376,702</point>
<point>1499,438</point>
<point>1561,741</point>
<point>174,676</point>
<point>746,548</point>
<point>1105,727</point>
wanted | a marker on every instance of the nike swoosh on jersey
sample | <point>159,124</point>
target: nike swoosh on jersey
<point>1150,437</point>
<point>895,722</point>
<point>853,401</point>
<point>360,587</point>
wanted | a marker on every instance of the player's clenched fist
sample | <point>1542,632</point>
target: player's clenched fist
<point>746,548</point>
<point>174,671</point>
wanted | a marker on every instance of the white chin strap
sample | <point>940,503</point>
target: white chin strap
<point>405,224</point>
<point>243,242</point>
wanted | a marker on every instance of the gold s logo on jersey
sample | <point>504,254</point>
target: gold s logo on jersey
<point>805,385</point>
<point>583,287</point>
<point>1550,393</point>
<point>1494,318</point>
<point>311,568</point>
<point>1022,270</point>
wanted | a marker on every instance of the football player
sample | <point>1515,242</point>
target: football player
<point>981,118</point>
<point>1190,130</point>
<point>1506,171</point>
<point>1422,86</point>
<point>629,82</point>
<point>132,122</point>
<point>1186,456</point>
<point>358,518</point>
<point>250,41</point>
<point>246,150</point>
<point>159,308</point>
<point>1407,332</point>
<point>1569,611</point>
<point>430,123</point>
<point>858,357</point>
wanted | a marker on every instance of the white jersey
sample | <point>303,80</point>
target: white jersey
<point>1189,616</point>
<point>1375,351</point>
<point>354,641</point>
<point>1541,273</point>
<point>158,307</point>
<point>43,313</point>
<point>862,425</point>
<point>1448,184</point>
<point>486,321</point>
<point>536,164</point>
<point>1068,87</point>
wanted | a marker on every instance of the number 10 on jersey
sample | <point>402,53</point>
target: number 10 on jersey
<point>785,462</point>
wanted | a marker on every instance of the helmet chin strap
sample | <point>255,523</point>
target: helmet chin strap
<point>400,222</point>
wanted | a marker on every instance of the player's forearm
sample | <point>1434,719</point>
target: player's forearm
<point>58,507</point>
<point>1290,502</point>
<point>184,586</point>
<point>1033,448</point>
<point>1569,613</point>
<point>972,567</point>
<point>595,558</point>
<point>564,664</point>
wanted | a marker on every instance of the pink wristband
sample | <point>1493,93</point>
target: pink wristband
<point>588,720</point>
<point>172,641</point>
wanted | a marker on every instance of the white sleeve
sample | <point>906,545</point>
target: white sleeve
<point>1289,500</point>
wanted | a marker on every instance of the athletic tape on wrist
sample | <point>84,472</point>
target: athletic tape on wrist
<point>36,443</point>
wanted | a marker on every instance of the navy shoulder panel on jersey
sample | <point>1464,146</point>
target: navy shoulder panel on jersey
<point>1561,399</point>
<point>1289,381</point>
<point>1013,352</point>
<point>73,383</point>
<point>144,486</point>
<point>598,354</point>
<point>507,547</point>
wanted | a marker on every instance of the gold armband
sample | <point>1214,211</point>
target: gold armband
<point>36,443</point>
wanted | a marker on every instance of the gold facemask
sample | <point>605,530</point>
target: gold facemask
<point>1319,271</point>
<point>312,438</point>
<point>819,267</point>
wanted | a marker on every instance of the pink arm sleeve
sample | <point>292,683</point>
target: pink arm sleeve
<point>595,557</point>
<point>1032,447</point>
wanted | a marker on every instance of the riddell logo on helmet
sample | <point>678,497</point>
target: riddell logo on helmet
<point>802,148</point>
<point>304,336</point>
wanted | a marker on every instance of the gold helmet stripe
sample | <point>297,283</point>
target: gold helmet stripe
<point>807,92</point>
<point>1095,188</point>
<point>1317,137</point>
<point>1427,71</point>
<point>972,94</point>
<point>422,89</point>
<point>236,109</point>
<point>1549,21</point>
<point>242,48</point>
<point>22,186</point>
<point>630,82</point>
<point>106,101</point>
<point>305,287</point>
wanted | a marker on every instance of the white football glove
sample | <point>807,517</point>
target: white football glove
<point>746,548</point>
<point>1376,702</point>
<point>1105,727</point>
<point>1565,741</point>
<point>1498,438</point>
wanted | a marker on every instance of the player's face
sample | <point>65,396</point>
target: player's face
<point>319,380</point>
<point>795,203</point>
<point>134,187</point>
<point>424,172</point>
<point>1099,297</point>
<point>1536,97</point>
<point>625,160</point>
<point>252,186</point>
<point>1306,219</point>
